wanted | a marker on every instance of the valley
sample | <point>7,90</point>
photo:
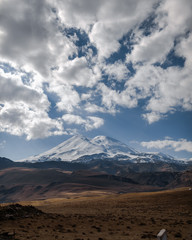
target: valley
<point>27,184</point>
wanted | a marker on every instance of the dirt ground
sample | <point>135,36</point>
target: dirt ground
<point>131,216</point>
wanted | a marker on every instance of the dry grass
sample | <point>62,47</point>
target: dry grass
<point>96,216</point>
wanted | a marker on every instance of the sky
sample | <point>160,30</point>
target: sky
<point>119,68</point>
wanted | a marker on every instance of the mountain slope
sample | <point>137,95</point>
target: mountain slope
<point>79,146</point>
<point>113,146</point>
<point>6,163</point>
<point>69,150</point>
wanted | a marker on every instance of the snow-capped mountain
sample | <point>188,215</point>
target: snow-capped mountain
<point>79,146</point>
<point>83,149</point>
<point>69,150</point>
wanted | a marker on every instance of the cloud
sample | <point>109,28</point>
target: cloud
<point>166,89</point>
<point>153,48</point>
<point>81,13</point>
<point>117,71</point>
<point>68,96</point>
<point>24,109</point>
<point>107,31</point>
<point>184,49</point>
<point>73,50</point>
<point>112,98</point>
<point>92,108</point>
<point>97,19</point>
<point>73,119</point>
<point>94,123</point>
<point>19,119</point>
<point>89,123</point>
<point>13,90</point>
<point>170,24</point>
<point>30,37</point>
<point>180,145</point>
<point>76,72</point>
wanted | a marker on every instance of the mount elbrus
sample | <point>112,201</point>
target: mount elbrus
<point>82,149</point>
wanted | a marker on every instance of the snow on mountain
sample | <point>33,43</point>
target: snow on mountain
<point>83,149</point>
<point>113,146</point>
<point>68,150</point>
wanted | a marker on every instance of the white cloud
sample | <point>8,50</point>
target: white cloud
<point>89,123</point>
<point>20,119</point>
<point>180,145</point>
<point>92,108</point>
<point>24,109</point>
<point>115,19</point>
<point>184,49</point>
<point>76,72</point>
<point>68,97</point>
<point>166,89</point>
<point>174,90</point>
<point>13,90</point>
<point>153,48</point>
<point>97,19</point>
<point>31,38</point>
<point>73,119</point>
<point>117,71</point>
<point>112,98</point>
<point>93,123</point>
<point>38,57</point>
<point>171,24</point>
<point>78,13</point>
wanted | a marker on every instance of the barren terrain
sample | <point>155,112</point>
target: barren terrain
<point>28,184</point>
<point>98,216</point>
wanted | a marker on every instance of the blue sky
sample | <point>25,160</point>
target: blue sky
<point>120,68</point>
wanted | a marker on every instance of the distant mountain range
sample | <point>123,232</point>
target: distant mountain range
<point>82,149</point>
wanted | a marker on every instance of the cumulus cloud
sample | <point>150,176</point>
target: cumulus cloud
<point>111,98</point>
<point>171,24</point>
<point>180,145</point>
<point>68,97</point>
<point>117,71</point>
<point>107,31</point>
<point>24,110</point>
<point>13,90</point>
<point>167,89</point>
<point>73,50</point>
<point>152,49</point>
<point>19,119</point>
<point>184,49</point>
<point>77,73</point>
<point>89,123</point>
<point>94,122</point>
<point>30,38</point>
<point>92,108</point>
<point>73,119</point>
